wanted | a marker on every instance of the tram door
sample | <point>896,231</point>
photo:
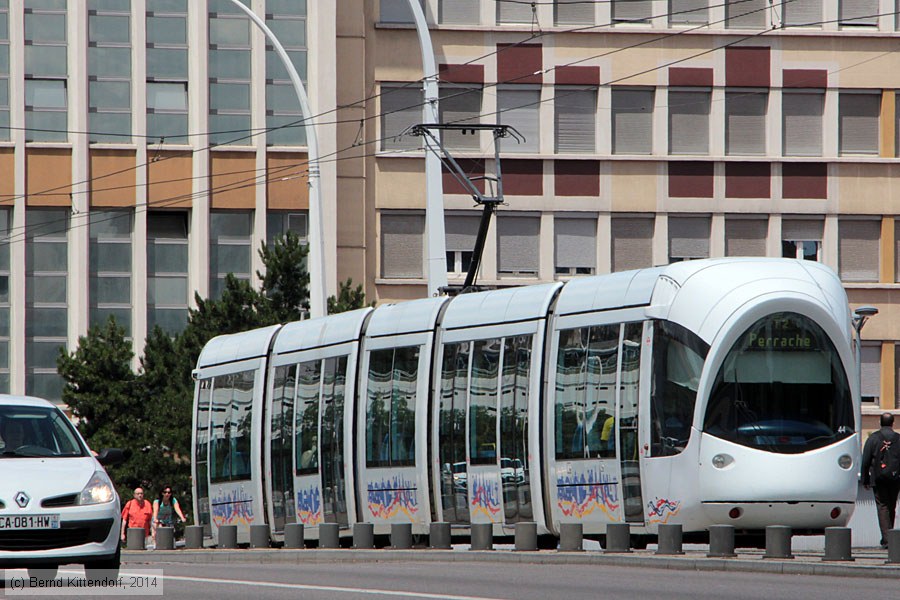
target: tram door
<point>331,440</point>
<point>514,467</point>
<point>281,447</point>
<point>201,458</point>
<point>485,503</point>
<point>455,365</point>
<point>629,442</point>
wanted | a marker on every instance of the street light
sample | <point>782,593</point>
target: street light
<point>860,316</point>
<point>317,286</point>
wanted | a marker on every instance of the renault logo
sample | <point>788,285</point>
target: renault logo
<point>22,499</point>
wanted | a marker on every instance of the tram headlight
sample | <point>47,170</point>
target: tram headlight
<point>720,461</point>
<point>845,461</point>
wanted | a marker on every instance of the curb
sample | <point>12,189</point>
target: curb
<point>865,565</point>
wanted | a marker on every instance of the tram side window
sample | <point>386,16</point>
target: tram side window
<point>307,417</point>
<point>678,357</point>
<point>483,402</point>
<point>585,392</point>
<point>220,434</point>
<point>230,437</point>
<point>241,423</point>
<point>391,407</point>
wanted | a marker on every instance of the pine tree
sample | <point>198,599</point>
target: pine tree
<point>347,298</point>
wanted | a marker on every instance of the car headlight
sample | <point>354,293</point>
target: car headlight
<point>98,490</point>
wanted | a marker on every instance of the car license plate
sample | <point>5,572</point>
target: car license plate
<point>29,522</point>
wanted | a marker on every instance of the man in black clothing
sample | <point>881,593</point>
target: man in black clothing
<point>886,490</point>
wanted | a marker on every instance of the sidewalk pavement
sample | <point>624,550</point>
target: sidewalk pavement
<point>866,562</point>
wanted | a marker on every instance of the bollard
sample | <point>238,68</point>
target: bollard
<point>401,536</point>
<point>482,536</point>
<point>618,537</point>
<point>363,536</point>
<point>193,537</point>
<point>893,540</point>
<point>329,535</point>
<point>134,538</point>
<point>669,539</point>
<point>837,544</point>
<point>526,536</point>
<point>293,535</point>
<point>778,542</point>
<point>571,537</point>
<point>721,541</point>
<point>259,536</point>
<point>165,538</point>
<point>227,536</point>
<point>439,536</point>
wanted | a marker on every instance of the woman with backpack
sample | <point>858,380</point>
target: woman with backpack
<point>881,467</point>
<point>165,507</point>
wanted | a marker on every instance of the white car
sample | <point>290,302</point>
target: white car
<point>57,504</point>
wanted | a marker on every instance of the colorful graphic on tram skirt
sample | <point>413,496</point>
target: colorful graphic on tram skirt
<point>388,498</point>
<point>661,510</point>
<point>578,498</point>
<point>232,508</point>
<point>485,496</point>
<point>309,505</point>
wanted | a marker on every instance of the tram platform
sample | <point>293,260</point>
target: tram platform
<point>867,562</point>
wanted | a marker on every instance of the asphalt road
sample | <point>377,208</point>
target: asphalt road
<point>475,580</point>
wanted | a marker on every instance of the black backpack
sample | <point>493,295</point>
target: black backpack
<point>886,461</point>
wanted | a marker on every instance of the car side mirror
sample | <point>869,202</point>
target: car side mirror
<point>111,456</point>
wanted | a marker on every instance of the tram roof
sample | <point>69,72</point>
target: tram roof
<point>316,333</point>
<point>606,292</point>
<point>508,305</point>
<point>237,346</point>
<point>405,317</point>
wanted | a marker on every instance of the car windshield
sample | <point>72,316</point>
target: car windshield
<point>782,388</point>
<point>35,431</point>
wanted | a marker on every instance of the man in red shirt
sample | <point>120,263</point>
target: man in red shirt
<point>137,513</point>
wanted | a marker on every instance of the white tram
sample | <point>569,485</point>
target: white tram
<point>703,392</point>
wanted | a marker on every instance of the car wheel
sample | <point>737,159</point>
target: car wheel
<point>43,574</point>
<point>109,567</point>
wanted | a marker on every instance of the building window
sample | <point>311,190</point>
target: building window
<point>401,108</point>
<point>575,245</point>
<point>858,113</point>
<point>802,239</point>
<point>460,104</point>
<point>688,12</point>
<point>515,12</point>
<point>746,14</point>
<point>229,74</point>
<point>519,107</point>
<point>110,267</point>
<point>46,308</point>
<point>167,270</point>
<point>575,120</point>
<point>459,12</point>
<point>688,238</point>
<point>5,225</point>
<point>109,71</point>
<point>573,12</point>
<point>689,122</point>
<point>802,122</point>
<point>870,372</point>
<point>4,73</point>
<point>518,245</point>
<point>745,237</point>
<point>632,121</point>
<point>284,119</point>
<point>46,70</point>
<point>631,11</point>
<point>167,72</point>
<point>402,251</point>
<point>859,244</point>
<point>632,243</point>
<point>802,13</point>
<point>461,231</point>
<point>858,13</point>
<point>745,121</point>
<point>230,248</point>
<point>391,11</point>
<point>278,223</point>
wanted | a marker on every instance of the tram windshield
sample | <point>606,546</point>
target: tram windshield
<point>782,388</point>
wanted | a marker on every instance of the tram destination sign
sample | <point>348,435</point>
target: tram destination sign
<point>782,334</point>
